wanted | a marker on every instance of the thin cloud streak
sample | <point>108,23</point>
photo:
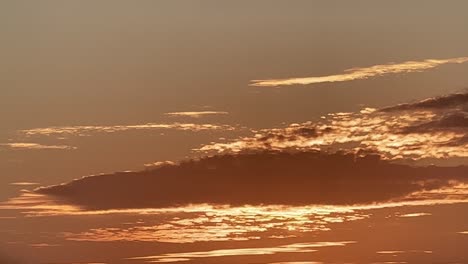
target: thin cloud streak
<point>291,248</point>
<point>415,215</point>
<point>36,146</point>
<point>362,73</point>
<point>86,130</point>
<point>196,114</point>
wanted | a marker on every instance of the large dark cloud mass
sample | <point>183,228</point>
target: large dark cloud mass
<point>258,178</point>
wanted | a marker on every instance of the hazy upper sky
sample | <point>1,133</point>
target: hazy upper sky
<point>89,87</point>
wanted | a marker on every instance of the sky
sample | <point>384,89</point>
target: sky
<point>233,131</point>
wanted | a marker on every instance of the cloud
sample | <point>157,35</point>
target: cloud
<point>86,130</point>
<point>160,164</point>
<point>207,223</point>
<point>291,248</point>
<point>36,146</point>
<point>431,128</point>
<point>415,215</point>
<point>302,178</point>
<point>452,101</point>
<point>362,73</point>
<point>43,245</point>
<point>196,114</point>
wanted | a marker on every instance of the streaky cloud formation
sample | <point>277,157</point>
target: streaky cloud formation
<point>208,223</point>
<point>362,73</point>
<point>303,178</point>
<point>36,146</point>
<point>196,114</point>
<point>414,215</point>
<point>159,164</point>
<point>431,128</point>
<point>291,248</point>
<point>86,130</point>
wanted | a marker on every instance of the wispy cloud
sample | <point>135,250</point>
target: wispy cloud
<point>415,215</point>
<point>291,248</point>
<point>43,245</point>
<point>196,114</point>
<point>158,164</point>
<point>395,252</point>
<point>35,146</point>
<point>86,130</point>
<point>362,73</point>
<point>225,224</point>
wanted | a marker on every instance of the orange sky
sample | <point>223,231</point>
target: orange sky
<point>193,104</point>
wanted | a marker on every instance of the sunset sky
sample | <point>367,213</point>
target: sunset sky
<point>237,132</point>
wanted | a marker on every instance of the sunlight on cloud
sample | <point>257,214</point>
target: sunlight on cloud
<point>415,215</point>
<point>226,224</point>
<point>43,245</point>
<point>434,128</point>
<point>362,73</point>
<point>159,164</point>
<point>204,223</point>
<point>397,252</point>
<point>35,146</point>
<point>291,248</point>
<point>196,114</point>
<point>86,130</point>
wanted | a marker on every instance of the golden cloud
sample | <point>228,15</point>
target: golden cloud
<point>362,73</point>
<point>432,128</point>
<point>290,248</point>
<point>196,114</point>
<point>86,130</point>
<point>36,146</point>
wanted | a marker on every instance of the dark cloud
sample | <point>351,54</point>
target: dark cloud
<point>458,100</point>
<point>448,122</point>
<point>299,178</point>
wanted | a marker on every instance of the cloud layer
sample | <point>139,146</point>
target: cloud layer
<point>362,73</point>
<point>302,178</point>
<point>431,128</point>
